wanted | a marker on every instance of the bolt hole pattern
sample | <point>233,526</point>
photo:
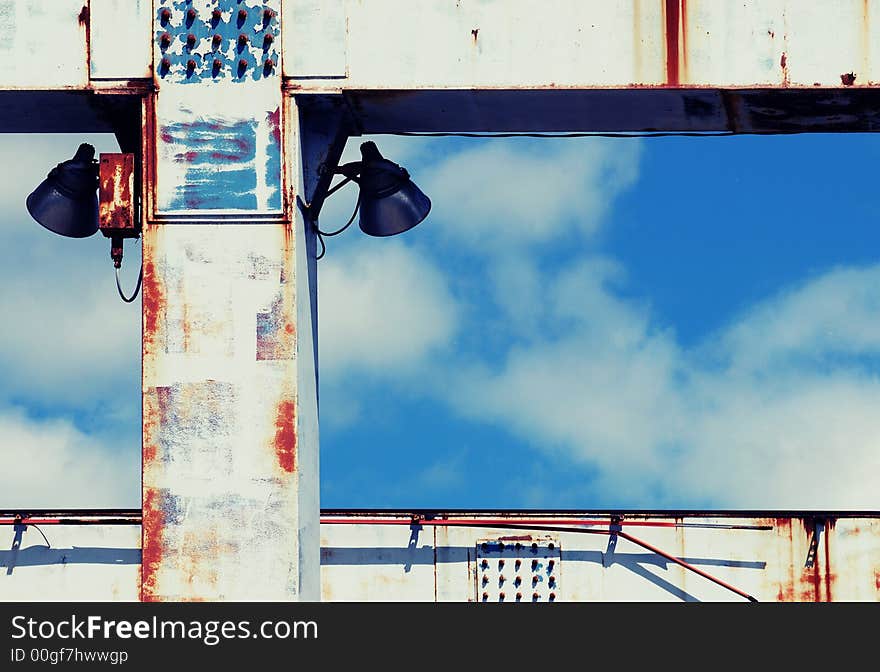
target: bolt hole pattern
<point>216,40</point>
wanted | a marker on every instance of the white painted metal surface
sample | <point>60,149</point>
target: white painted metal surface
<point>44,44</point>
<point>121,42</point>
<point>369,561</point>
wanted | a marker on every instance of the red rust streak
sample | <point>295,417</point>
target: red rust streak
<point>153,301</point>
<point>673,17</point>
<point>151,544</point>
<point>827,567</point>
<point>285,435</point>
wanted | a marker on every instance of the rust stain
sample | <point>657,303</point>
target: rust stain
<point>848,78</point>
<point>154,301</point>
<point>285,435</point>
<point>675,34</point>
<point>783,63</point>
<point>83,17</point>
<point>151,544</point>
<point>475,32</point>
<point>827,567</point>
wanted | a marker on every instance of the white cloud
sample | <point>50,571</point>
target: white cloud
<point>494,196</point>
<point>49,463</point>
<point>665,426</point>
<point>383,310</point>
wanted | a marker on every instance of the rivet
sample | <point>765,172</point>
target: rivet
<point>268,65</point>
<point>485,596</point>
<point>518,597</point>
<point>242,40</point>
<point>268,39</point>
<point>190,65</point>
<point>501,596</point>
<point>551,545</point>
<point>268,14</point>
<point>552,596</point>
<point>517,563</point>
<point>501,578</point>
<point>242,14</point>
<point>165,40</point>
<point>534,548</point>
<point>215,41</point>
<point>535,596</point>
<point>517,581</point>
<point>501,562</point>
<point>217,65</point>
<point>485,563</point>
<point>217,15</point>
<point>190,40</point>
<point>191,14</point>
<point>534,564</point>
<point>550,564</point>
<point>165,16</point>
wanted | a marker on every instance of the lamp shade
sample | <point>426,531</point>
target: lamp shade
<point>390,202</point>
<point>66,202</point>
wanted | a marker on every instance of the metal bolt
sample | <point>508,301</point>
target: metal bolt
<point>165,40</point>
<point>551,545</point>
<point>550,564</point>
<point>215,41</point>
<point>534,548</point>
<point>485,579</point>
<point>268,39</point>
<point>165,16</point>
<point>190,65</point>
<point>242,15</point>
<point>484,546</point>
<point>518,597</point>
<point>216,15</point>
<point>534,564</point>
<point>552,581</point>
<point>501,578</point>
<point>190,40</point>
<point>517,581</point>
<point>242,66</point>
<point>268,65</point>
<point>165,64</point>
<point>535,597</point>
<point>501,546</point>
<point>534,580</point>
<point>518,546</point>
<point>268,14</point>
<point>242,40</point>
<point>552,596</point>
<point>191,14</point>
<point>517,563</point>
<point>501,596</point>
<point>501,563</point>
<point>217,65</point>
<point>485,596</point>
<point>484,564</point>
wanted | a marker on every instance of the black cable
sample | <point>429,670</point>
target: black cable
<point>48,545</point>
<point>136,289</point>
<point>653,134</point>
<point>321,234</point>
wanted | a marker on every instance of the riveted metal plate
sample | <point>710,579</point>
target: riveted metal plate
<point>522,569</point>
<point>216,40</point>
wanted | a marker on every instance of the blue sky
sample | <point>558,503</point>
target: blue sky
<point>591,323</point>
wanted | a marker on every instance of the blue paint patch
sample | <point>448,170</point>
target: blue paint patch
<point>219,159</point>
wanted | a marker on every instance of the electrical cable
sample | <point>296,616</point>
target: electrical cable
<point>321,234</point>
<point>136,289</point>
<point>598,134</point>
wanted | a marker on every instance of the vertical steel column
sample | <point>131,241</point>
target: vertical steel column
<point>230,442</point>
